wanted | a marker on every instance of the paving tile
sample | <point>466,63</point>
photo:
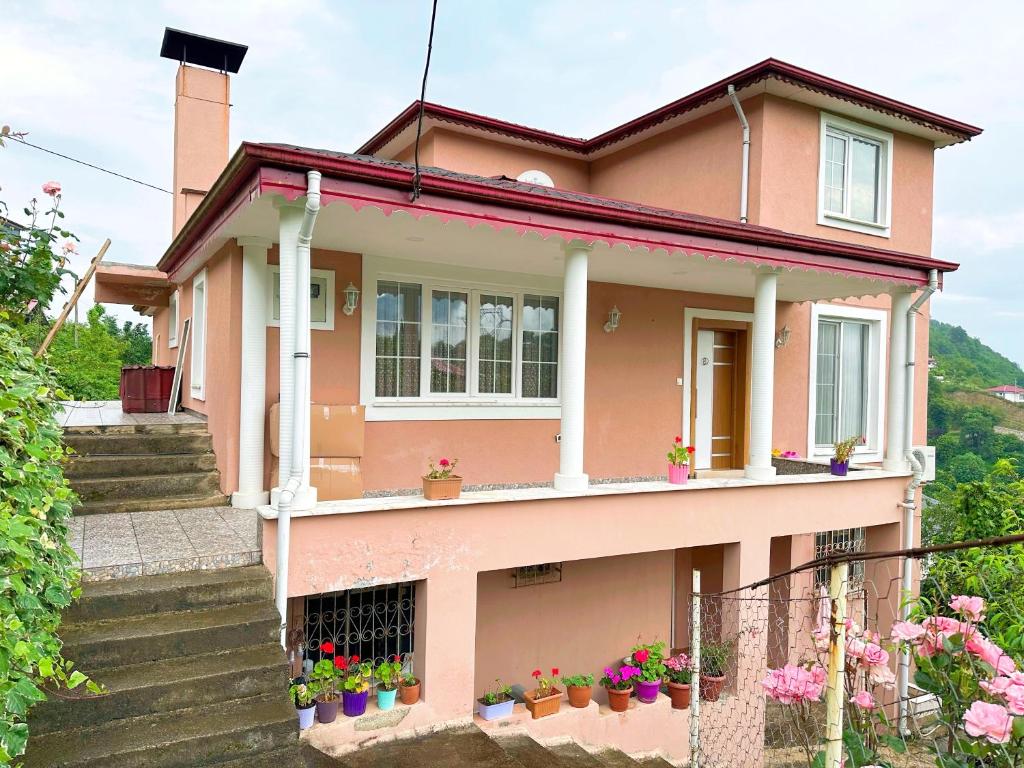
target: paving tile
<point>244,523</point>
<point>76,534</point>
<point>161,537</point>
<point>109,540</point>
<point>209,533</point>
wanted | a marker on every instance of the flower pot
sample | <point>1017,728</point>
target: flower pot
<point>354,704</point>
<point>647,690</point>
<point>327,711</point>
<point>619,700</point>
<point>678,474</point>
<point>711,687</point>
<point>495,711</point>
<point>839,468</point>
<point>438,490</point>
<point>386,699</point>
<point>306,715</point>
<point>544,706</point>
<point>680,695</point>
<point>579,696</point>
<point>409,694</point>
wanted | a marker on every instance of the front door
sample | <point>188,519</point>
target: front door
<point>719,419</point>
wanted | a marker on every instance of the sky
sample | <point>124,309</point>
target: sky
<point>86,80</point>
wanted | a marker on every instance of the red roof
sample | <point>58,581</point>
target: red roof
<point>767,69</point>
<point>1011,389</point>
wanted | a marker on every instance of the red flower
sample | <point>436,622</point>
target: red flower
<point>554,671</point>
<point>535,673</point>
<point>690,449</point>
<point>678,439</point>
<point>327,647</point>
<point>354,659</point>
<point>444,463</point>
<point>394,657</point>
<point>340,663</point>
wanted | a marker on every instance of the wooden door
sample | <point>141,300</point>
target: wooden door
<point>720,386</point>
<point>723,400</point>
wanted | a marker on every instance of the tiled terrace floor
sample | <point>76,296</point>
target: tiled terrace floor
<point>108,413</point>
<point>120,545</point>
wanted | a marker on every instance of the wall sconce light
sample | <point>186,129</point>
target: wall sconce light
<point>351,299</point>
<point>613,320</point>
<point>782,337</point>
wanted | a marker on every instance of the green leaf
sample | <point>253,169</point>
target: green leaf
<point>76,679</point>
<point>1018,727</point>
<point>894,743</point>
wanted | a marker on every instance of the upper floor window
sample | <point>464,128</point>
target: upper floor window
<point>855,176</point>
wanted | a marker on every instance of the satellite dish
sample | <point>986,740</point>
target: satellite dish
<point>539,178</point>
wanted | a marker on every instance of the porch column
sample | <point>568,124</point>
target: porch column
<point>895,407</point>
<point>570,475</point>
<point>762,377</point>
<point>252,399</point>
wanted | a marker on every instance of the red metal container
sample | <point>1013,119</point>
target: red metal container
<point>146,388</point>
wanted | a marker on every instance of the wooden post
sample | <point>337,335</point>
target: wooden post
<point>79,290</point>
<point>835,692</point>
<point>695,682</point>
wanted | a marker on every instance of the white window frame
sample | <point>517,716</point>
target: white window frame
<point>445,406</point>
<point>172,320</point>
<point>877,320</point>
<point>849,129</point>
<point>326,274</point>
<point>199,335</point>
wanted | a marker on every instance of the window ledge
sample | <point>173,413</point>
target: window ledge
<point>405,410</point>
<point>853,225</point>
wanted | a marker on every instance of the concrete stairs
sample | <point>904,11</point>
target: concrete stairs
<point>194,671</point>
<point>134,468</point>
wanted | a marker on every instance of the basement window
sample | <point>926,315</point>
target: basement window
<point>838,541</point>
<point>532,575</point>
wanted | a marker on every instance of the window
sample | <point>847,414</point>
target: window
<point>842,540</point>
<point>321,298</point>
<point>855,176</point>
<point>172,321</point>
<point>399,346</point>
<point>846,379</point>
<point>449,327</point>
<point>532,575</point>
<point>540,346</point>
<point>198,377</point>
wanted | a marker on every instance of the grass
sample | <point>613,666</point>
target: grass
<point>1010,415</point>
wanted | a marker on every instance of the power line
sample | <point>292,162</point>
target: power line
<point>423,95</point>
<point>89,165</point>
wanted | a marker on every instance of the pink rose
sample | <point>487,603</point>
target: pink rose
<point>907,631</point>
<point>855,647</point>
<point>864,700</point>
<point>792,684</point>
<point>1009,688</point>
<point>881,676</point>
<point>874,655</point>
<point>971,608</point>
<point>52,188</point>
<point>991,654</point>
<point>989,720</point>
<point>69,247</point>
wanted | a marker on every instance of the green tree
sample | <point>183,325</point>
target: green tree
<point>138,344</point>
<point>968,468</point>
<point>89,368</point>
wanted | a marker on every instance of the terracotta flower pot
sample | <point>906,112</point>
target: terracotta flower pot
<point>711,687</point>
<point>545,705</point>
<point>439,490</point>
<point>409,694</point>
<point>839,468</point>
<point>680,695</point>
<point>678,474</point>
<point>579,695</point>
<point>327,711</point>
<point>619,700</point>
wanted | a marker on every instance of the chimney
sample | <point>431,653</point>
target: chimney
<point>201,114</point>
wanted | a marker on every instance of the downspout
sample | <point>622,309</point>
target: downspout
<point>300,401</point>
<point>745,175</point>
<point>917,460</point>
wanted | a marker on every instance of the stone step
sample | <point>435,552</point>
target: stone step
<point>655,762</point>
<point>87,466</point>
<point>572,755</point>
<point>451,748</point>
<point>138,639</point>
<point>139,487</point>
<point>148,595</point>
<point>614,758</point>
<point>192,427</point>
<point>527,752</point>
<point>286,757</point>
<point>164,686</point>
<point>199,736</point>
<point>119,444</point>
<point>192,501</point>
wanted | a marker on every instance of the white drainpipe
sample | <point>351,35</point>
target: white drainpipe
<point>745,176</point>
<point>917,461</point>
<point>299,405</point>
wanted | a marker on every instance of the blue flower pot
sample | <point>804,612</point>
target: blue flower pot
<point>386,699</point>
<point>306,716</point>
<point>495,711</point>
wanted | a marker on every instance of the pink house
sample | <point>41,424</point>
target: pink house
<point>747,267</point>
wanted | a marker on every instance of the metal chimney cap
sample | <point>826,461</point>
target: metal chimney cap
<point>189,48</point>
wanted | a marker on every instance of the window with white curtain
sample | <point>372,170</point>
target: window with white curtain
<point>854,176</point>
<point>841,381</point>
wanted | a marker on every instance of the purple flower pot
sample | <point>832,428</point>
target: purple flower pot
<point>647,690</point>
<point>327,711</point>
<point>354,704</point>
<point>839,468</point>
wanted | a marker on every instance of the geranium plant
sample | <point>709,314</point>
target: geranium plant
<point>443,470</point>
<point>388,673</point>
<point>326,672</point>
<point>621,680</point>
<point>578,681</point>
<point>679,669</point>
<point>355,673</point>
<point>302,695</point>
<point>650,659</point>
<point>714,657</point>
<point>680,455</point>
<point>545,685</point>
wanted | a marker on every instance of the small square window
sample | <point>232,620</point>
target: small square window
<point>855,183</point>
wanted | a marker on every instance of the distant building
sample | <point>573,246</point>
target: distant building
<point>1010,392</point>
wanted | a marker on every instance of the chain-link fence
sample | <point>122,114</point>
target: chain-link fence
<point>858,670</point>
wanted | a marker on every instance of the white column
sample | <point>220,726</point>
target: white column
<point>762,377</point>
<point>290,219</point>
<point>895,407</point>
<point>570,475</point>
<point>252,397</point>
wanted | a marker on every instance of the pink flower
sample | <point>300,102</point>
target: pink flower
<point>855,647</point>
<point>874,655</point>
<point>822,637</point>
<point>792,684</point>
<point>52,188</point>
<point>444,463</point>
<point>991,654</point>
<point>1010,688</point>
<point>881,676</point>
<point>69,247</point>
<point>971,608</point>
<point>989,720</point>
<point>907,631</point>
<point>864,700</point>
<point>641,656</point>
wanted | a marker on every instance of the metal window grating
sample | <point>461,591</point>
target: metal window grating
<point>531,575</point>
<point>840,540</point>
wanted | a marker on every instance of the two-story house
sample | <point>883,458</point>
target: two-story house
<point>747,268</point>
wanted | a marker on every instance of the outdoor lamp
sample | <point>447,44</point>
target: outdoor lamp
<point>782,337</point>
<point>351,299</point>
<point>613,320</point>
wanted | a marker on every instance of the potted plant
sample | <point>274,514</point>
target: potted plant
<point>388,674</point>
<point>679,462</point>
<point>409,689</point>
<point>619,686</point>
<point>839,464</point>
<point>325,678</point>
<point>304,698</point>
<point>650,660</point>
<point>579,688</point>
<point>545,699</point>
<point>679,674</point>
<point>439,483</point>
<point>714,661</point>
<point>356,686</point>
<point>497,702</point>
